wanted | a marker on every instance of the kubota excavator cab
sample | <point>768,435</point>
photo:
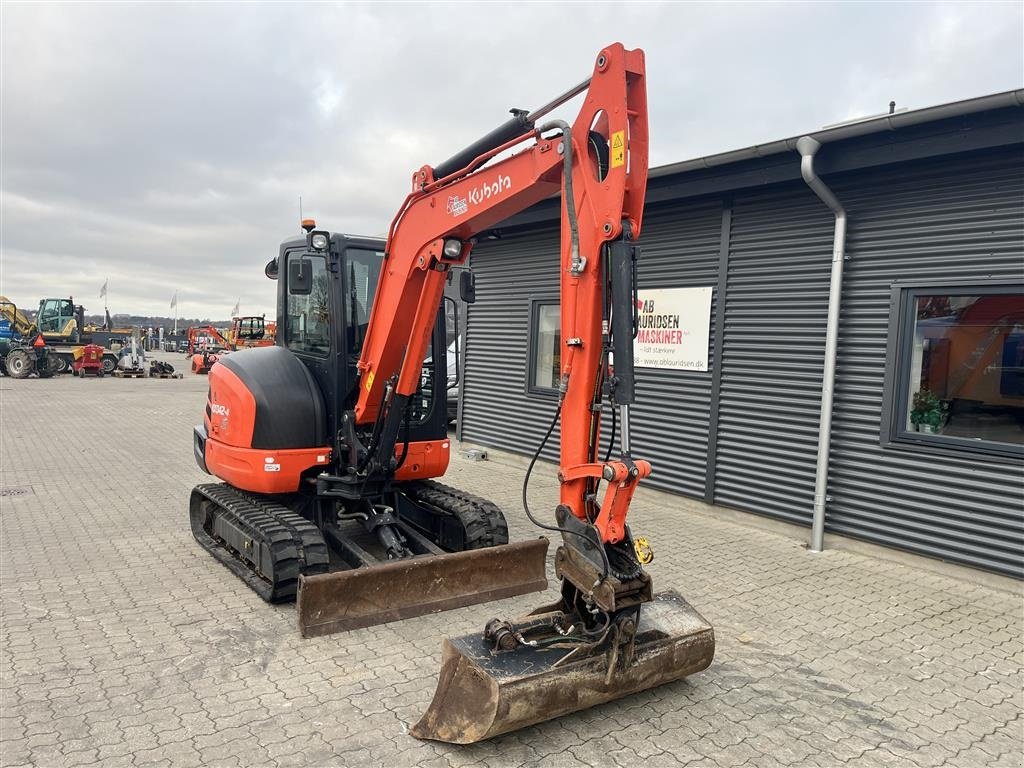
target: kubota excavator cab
<point>308,509</point>
<point>324,300</point>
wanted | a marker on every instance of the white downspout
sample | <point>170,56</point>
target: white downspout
<point>808,147</point>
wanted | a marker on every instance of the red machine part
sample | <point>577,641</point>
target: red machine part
<point>424,460</point>
<point>90,361</point>
<point>475,198</point>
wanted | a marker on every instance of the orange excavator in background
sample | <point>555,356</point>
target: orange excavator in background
<point>205,344</point>
<point>250,331</point>
<point>329,442</point>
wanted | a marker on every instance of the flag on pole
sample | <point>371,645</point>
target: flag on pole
<point>103,290</point>
<point>174,300</point>
<point>234,311</point>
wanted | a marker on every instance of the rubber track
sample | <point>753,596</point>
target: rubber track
<point>482,520</point>
<point>296,546</point>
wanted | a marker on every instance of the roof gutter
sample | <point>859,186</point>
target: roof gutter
<point>808,148</point>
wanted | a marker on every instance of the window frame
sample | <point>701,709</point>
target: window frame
<point>304,253</point>
<point>533,328</point>
<point>895,392</point>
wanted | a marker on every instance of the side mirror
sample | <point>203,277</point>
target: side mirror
<point>271,269</point>
<point>300,277</point>
<point>467,286</point>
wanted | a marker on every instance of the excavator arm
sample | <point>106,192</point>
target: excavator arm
<point>599,165</point>
<point>609,635</point>
<point>20,324</point>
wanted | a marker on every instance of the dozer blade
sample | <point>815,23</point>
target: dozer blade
<point>481,694</point>
<point>401,589</point>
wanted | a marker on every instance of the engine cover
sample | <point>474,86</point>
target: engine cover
<point>264,421</point>
<point>265,398</point>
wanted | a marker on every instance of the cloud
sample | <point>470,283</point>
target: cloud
<point>166,145</point>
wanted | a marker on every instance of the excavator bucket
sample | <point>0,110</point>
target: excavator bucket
<point>481,693</point>
<point>401,589</point>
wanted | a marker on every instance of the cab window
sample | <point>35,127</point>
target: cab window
<point>362,272</point>
<point>309,317</point>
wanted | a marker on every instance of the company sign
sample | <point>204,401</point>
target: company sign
<point>674,330</point>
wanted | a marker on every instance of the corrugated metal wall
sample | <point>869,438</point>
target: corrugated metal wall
<point>955,217</point>
<point>496,410</point>
<point>775,308</point>
<point>670,418</point>
<point>960,220</point>
<point>680,249</point>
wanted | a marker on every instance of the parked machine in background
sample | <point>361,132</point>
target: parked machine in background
<point>203,360</point>
<point>61,320</point>
<point>131,361</point>
<point>109,327</point>
<point>48,345</point>
<point>205,346</point>
<point>250,331</point>
<point>159,369</point>
<point>204,337</point>
<point>328,442</point>
<point>88,361</point>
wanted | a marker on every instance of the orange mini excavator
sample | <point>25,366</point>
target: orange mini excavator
<point>206,345</point>
<point>328,442</point>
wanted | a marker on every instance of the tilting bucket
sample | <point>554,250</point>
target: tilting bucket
<point>401,589</point>
<point>481,694</point>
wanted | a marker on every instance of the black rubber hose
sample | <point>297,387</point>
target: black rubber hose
<point>615,423</point>
<point>526,504</point>
<point>567,193</point>
<point>405,435</point>
<point>371,449</point>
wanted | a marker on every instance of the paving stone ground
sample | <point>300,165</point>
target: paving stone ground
<point>123,643</point>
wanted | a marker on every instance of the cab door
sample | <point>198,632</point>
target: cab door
<point>307,318</point>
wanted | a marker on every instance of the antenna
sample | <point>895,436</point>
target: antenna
<point>300,207</point>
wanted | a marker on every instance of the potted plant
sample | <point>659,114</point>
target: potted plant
<point>928,413</point>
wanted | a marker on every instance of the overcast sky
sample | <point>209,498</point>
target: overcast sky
<point>165,145</point>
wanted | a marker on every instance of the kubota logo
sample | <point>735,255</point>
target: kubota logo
<point>457,206</point>
<point>220,410</point>
<point>486,191</point>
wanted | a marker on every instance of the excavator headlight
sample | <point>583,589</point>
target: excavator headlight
<point>452,248</point>
<point>318,241</point>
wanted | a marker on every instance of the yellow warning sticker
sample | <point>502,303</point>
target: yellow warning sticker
<point>369,381</point>
<point>618,149</point>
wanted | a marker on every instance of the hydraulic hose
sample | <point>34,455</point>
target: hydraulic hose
<point>611,440</point>
<point>526,503</point>
<point>570,200</point>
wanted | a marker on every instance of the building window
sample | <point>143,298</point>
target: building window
<point>960,367</point>
<point>545,347</point>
